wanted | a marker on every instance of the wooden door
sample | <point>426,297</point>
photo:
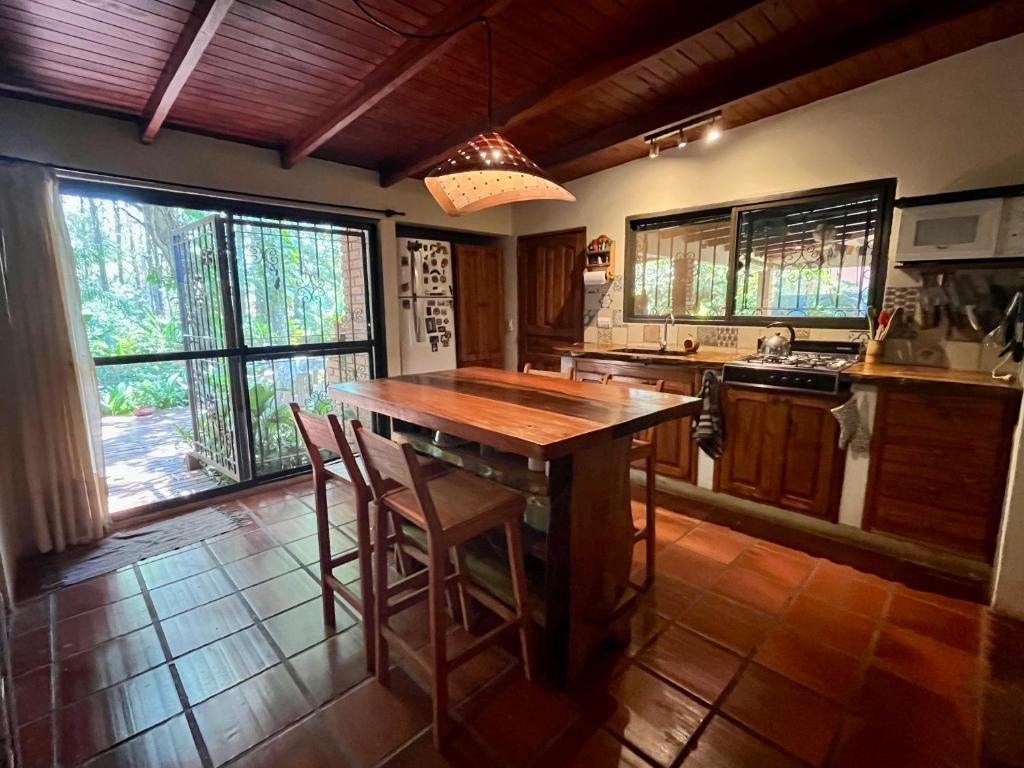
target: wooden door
<point>550,271</point>
<point>677,451</point>
<point>480,306</point>
<point>811,469</point>
<point>755,430</point>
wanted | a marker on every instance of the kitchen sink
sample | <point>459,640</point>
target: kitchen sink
<point>649,351</point>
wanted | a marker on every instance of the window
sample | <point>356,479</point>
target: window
<point>682,267</point>
<point>815,259</point>
<point>206,318</point>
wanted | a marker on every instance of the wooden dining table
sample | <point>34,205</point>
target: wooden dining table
<point>583,431</point>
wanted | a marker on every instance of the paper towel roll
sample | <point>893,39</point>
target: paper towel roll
<point>595,277</point>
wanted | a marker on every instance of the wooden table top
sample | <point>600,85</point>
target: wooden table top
<point>535,416</point>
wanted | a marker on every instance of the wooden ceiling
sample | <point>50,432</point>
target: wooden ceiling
<point>576,83</point>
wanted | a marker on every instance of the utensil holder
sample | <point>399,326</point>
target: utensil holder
<point>874,351</point>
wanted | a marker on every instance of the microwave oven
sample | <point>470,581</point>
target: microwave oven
<point>950,231</point>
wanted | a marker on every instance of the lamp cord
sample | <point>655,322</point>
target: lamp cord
<point>447,33</point>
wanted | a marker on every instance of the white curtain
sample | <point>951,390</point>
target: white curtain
<point>52,488</point>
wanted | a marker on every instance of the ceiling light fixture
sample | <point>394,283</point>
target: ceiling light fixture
<point>713,133</point>
<point>711,119</point>
<point>487,170</point>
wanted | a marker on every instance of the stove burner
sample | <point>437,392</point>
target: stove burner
<point>801,370</point>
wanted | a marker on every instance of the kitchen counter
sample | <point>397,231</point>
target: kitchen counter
<point>704,357</point>
<point>922,374</point>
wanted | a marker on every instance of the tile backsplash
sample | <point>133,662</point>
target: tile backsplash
<point>605,302</point>
<point>946,345</point>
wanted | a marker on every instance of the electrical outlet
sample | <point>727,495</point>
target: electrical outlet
<point>604,322</point>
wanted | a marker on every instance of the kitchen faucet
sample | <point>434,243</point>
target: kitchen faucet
<point>663,339</point>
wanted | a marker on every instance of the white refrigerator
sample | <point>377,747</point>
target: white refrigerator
<point>427,306</point>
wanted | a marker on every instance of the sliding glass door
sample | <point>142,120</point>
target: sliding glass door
<point>206,319</point>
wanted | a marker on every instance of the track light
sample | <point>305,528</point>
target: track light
<point>653,151</point>
<point>678,130</point>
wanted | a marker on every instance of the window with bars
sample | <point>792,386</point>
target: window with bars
<point>815,259</point>
<point>206,317</point>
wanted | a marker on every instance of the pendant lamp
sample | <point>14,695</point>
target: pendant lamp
<point>486,171</point>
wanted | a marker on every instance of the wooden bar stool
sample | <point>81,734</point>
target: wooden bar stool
<point>452,509</point>
<point>528,368</point>
<point>325,433</point>
<point>645,449</point>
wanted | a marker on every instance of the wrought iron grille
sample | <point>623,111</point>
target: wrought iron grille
<point>200,267</point>
<point>807,259</point>
<point>682,267</point>
<point>300,283</point>
<point>274,383</point>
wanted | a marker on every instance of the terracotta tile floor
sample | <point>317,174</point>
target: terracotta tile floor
<point>743,653</point>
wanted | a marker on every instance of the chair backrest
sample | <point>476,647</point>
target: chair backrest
<point>326,433</point>
<point>387,460</point>
<point>528,368</point>
<point>590,376</point>
<point>635,382</point>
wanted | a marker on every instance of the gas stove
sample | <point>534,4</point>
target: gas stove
<point>812,366</point>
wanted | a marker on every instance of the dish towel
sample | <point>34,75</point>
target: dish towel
<point>854,428</point>
<point>709,426</point>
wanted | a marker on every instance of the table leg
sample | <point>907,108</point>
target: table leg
<point>589,554</point>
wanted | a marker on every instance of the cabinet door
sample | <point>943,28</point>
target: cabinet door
<point>480,307</point>
<point>939,462</point>
<point>812,465</point>
<point>755,431</point>
<point>677,451</point>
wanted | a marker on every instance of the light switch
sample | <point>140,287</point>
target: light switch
<point>604,322</point>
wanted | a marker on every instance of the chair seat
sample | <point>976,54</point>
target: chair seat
<point>466,504</point>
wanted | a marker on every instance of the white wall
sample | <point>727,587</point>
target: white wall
<point>954,124</point>
<point>80,140</point>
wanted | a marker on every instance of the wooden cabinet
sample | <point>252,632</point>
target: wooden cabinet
<point>676,448</point>
<point>939,462</point>
<point>677,451</point>
<point>782,449</point>
<point>480,308</point>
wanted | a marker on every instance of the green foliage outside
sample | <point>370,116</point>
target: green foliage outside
<point>125,267</point>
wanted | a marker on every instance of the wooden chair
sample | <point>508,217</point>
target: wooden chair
<point>528,368</point>
<point>452,509</point>
<point>645,449</point>
<point>326,433</point>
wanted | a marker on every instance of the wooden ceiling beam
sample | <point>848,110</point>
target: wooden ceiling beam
<point>410,59</point>
<point>767,67</point>
<point>675,27</point>
<point>199,30</point>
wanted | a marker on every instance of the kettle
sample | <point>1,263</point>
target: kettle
<point>777,345</point>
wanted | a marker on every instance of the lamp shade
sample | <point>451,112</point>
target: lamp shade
<point>486,171</point>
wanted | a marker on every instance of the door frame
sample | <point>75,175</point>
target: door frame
<point>521,295</point>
